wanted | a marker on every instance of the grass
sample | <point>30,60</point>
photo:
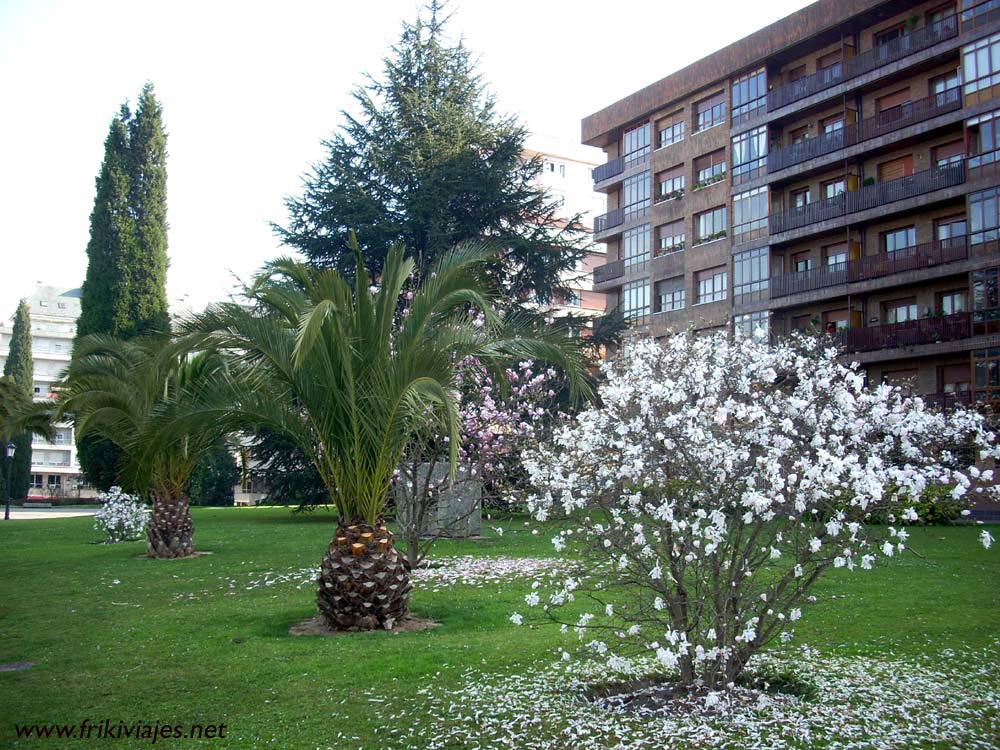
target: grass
<point>127,639</point>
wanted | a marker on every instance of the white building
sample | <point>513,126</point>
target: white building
<point>54,467</point>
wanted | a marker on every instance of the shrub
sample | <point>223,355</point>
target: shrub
<point>121,516</point>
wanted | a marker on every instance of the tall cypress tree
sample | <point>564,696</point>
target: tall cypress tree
<point>124,293</point>
<point>21,369</point>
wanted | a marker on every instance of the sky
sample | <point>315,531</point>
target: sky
<point>250,89</point>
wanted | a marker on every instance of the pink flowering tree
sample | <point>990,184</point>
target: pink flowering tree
<point>719,479</point>
<point>499,422</point>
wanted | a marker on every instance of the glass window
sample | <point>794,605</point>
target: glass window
<point>835,256</point>
<point>798,135</point>
<point>833,188</point>
<point>635,247</point>
<point>635,144</point>
<point>939,86</point>
<point>635,300</point>
<point>984,289</point>
<point>950,228</point>
<point>750,215</point>
<point>750,323</point>
<point>900,310</point>
<point>981,65</point>
<point>635,195</point>
<point>899,239</point>
<point>831,65</point>
<point>710,166</point>
<point>710,225</point>
<point>709,112</point>
<point>749,154</point>
<point>984,215</point>
<point>948,153</point>
<point>837,320</point>
<point>986,371</point>
<point>671,129</point>
<point>670,294</point>
<point>749,95</point>
<point>833,124</point>
<point>802,262</point>
<point>670,183</point>
<point>952,303</point>
<point>984,138</point>
<point>670,237</point>
<point>800,198</point>
<point>893,100</point>
<point>751,273</point>
<point>711,285</point>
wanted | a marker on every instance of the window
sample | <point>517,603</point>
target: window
<point>670,183</point>
<point>710,112</point>
<point>36,482</point>
<point>670,237</point>
<point>751,274</point>
<point>710,167</point>
<point>885,38</point>
<point>903,379</point>
<point>986,371</point>
<point>796,73</point>
<point>984,216</point>
<point>984,140</point>
<point>981,68</point>
<point>834,124</point>
<point>670,294</point>
<point>896,240</point>
<point>954,378</point>
<point>950,230</point>
<point>798,135</point>
<point>43,303</point>
<point>803,322</point>
<point>635,247</point>
<point>941,87</point>
<point>571,298</point>
<point>948,153</point>
<point>802,262</point>
<point>55,481</point>
<point>749,95</point>
<point>750,323</point>
<point>836,320</point>
<point>749,154</point>
<point>635,144</point>
<point>635,300</point>
<point>899,310</point>
<point>833,188</point>
<point>984,290</point>
<point>711,285</point>
<point>895,168</point>
<point>710,225</point>
<point>635,195</point>
<point>671,129</point>
<point>835,256</point>
<point>830,66</point>
<point>893,100</point>
<point>800,198</point>
<point>750,215</point>
<point>952,303</point>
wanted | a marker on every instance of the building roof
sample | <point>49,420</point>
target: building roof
<point>824,16</point>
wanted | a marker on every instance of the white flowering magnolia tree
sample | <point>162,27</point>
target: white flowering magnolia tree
<point>720,478</point>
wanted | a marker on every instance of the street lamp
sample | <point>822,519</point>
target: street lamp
<point>10,461</point>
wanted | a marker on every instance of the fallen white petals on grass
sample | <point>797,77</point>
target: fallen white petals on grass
<point>859,703</point>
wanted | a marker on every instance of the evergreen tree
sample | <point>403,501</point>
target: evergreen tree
<point>20,368</point>
<point>431,163</point>
<point>124,293</point>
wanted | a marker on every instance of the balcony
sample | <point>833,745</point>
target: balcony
<point>607,221</point>
<point>872,267</point>
<point>609,272</point>
<point>910,333</point>
<point>869,196</point>
<point>872,127</point>
<point>606,171</point>
<point>919,39</point>
<point>947,401</point>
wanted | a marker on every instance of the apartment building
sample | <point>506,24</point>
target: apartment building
<point>834,171</point>
<point>55,471</point>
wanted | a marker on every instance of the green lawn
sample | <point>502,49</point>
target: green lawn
<point>196,641</point>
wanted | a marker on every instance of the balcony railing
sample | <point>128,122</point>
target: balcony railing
<point>606,171</point>
<point>869,196</point>
<point>910,333</point>
<point>872,266</point>
<point>871,127</point>
<point>611,219</point>
<point>852,67</point>
<point>609,271</point>
<point>947,401</point>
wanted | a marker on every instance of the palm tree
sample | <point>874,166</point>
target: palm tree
<point>349,375</point>
<point>130,392</point>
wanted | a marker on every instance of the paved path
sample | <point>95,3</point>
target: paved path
<point>32,514</point>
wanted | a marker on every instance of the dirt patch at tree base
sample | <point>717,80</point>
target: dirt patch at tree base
<point>145,556</point>
<point>318,626</point>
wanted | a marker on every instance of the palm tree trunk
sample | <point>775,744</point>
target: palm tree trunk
<point>170,532</point>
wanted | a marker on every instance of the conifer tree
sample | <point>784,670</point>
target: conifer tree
<point>20,368</point>
<point>430,162</point>
<point>124,293</point>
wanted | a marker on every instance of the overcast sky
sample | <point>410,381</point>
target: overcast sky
<point>249,89</point>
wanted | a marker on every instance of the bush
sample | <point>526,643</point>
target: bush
<point>121,516</point>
